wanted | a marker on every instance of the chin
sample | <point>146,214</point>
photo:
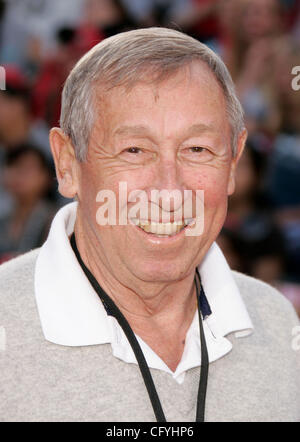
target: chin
<point>161,271</point>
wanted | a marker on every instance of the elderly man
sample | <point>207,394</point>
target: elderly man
<point>129,311</point>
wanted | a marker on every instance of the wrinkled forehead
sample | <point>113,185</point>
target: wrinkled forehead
<point>187,84</point>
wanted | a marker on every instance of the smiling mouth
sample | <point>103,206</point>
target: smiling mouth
<point>163,230</point>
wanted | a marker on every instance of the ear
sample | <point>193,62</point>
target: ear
<point>234,161</point>
<point>65,162</point>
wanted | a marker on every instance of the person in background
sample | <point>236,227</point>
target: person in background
<point>28,177</point>
<point>48,84</point>
<point>248,197</point>
<point>17,125</point>
<point>262,26</point>
<point>200,19</point>
<point>100,19</point>
<point>29,28</point>
<point>251,227</point>
<point>170,13</point>
<point>260,238</point>
<point>108,17</point>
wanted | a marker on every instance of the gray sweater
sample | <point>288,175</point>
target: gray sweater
<point>259,380</point>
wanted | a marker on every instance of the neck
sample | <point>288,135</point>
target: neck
<point>134,297</point>
<point>160,313</point>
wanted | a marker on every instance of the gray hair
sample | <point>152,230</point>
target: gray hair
<point>123,60</point>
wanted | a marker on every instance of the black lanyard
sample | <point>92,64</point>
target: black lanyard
<point>113,310</point>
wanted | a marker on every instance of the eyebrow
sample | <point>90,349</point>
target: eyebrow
<point>200,128</point>
<point>140,130</point>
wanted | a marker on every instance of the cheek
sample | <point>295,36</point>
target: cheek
<point>89,185</point>
<point>214,186</point>
<point>97,187</point>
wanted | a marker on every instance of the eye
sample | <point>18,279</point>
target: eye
<point>197,149</point>
<point>196,154</point>
<point>136,155</point>
<point>133,150</point>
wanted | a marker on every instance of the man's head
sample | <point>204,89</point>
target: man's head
<point>154,109</point>
<point>126,59</point>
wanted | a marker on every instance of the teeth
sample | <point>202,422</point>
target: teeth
<point>161,228</point>
<point>135,221</point>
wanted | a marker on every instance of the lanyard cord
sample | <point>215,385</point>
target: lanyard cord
<point>200,415</point>
<point>111,307</point>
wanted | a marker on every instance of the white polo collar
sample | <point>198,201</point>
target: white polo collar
<point>71,313</point>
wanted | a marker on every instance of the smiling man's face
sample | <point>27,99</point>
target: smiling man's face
<point>173,135</point>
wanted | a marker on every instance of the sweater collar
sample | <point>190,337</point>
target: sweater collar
<point>69,308</point>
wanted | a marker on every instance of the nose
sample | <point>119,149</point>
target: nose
<point>167,172</point>
<point>167,182</point>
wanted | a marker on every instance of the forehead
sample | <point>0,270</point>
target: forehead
<point>189,96</point>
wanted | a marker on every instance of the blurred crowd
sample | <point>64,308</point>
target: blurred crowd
<point>259,40</point>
